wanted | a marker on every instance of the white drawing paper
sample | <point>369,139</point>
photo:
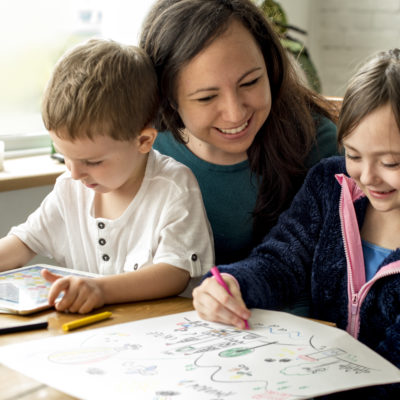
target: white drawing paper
<point>180,357</point>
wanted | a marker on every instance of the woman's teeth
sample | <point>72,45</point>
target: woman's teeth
<point>234,130</point>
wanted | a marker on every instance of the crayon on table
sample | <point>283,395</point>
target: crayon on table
<point>86,321</point>
<point>218,277</point>
<point>24,327</point>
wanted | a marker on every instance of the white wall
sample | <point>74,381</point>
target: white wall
<point>342,33</point>
<point>298,14</point>
<point>16,205</point>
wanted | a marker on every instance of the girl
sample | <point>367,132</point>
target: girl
<point>235,113</point>
<point>341,233</point>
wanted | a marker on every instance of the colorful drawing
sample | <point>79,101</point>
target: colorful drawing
<point>182,357</point>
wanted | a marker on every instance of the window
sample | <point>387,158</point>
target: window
<point>34,34</point>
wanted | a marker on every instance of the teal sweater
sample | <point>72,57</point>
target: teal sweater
<point>230,193</point>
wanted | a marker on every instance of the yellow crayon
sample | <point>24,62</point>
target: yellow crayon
<point>86,321</point>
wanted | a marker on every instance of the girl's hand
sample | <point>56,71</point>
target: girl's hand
<point>81,295</point>
<point>213,303</point>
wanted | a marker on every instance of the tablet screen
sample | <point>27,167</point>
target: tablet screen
<point>24,290</point>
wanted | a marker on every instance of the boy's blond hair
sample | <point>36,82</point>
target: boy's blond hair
<point>101,87</point>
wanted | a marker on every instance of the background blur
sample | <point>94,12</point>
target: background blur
<point>342,33</point>
<point>35,33</point>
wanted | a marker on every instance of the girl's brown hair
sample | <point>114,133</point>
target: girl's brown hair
<point>101,87</point>
<point>175,31</point>
<point>376,84</point>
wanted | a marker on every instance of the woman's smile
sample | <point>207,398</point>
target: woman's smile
<point>234,131</point>
<point>224,97</point>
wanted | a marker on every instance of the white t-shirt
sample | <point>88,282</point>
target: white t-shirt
<point>165,222</point>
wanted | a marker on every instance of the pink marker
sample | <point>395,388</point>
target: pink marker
<point>215,271</point>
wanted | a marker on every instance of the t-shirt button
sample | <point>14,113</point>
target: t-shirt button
<point>102,242</point>
<point>135,267</point>
<point>106,257</point>
<point>101,225</point>
<point>194,257</point>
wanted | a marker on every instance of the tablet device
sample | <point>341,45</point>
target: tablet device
<point>24,291</point>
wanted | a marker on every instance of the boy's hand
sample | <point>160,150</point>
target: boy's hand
<point>213,303</point>
<point>81,295</point>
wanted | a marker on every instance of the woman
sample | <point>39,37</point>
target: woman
<point>235,112</point>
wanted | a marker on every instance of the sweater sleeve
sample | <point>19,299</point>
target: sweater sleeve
<point>278,269</point>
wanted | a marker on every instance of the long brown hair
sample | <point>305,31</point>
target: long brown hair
<point>175,31</point>
<point>376,84</point>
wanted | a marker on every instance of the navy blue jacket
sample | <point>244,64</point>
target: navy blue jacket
<point>305,251</point>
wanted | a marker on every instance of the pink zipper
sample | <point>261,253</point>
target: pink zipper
<point>352,249</point>
<point>353,327</point>
<point>357,288</point>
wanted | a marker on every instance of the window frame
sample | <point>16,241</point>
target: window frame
<point>26,144</point>
<point>119,25</point>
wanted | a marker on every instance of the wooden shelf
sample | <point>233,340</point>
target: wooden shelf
<point>28,172</point>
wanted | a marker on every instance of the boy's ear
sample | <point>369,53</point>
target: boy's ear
<point>146,139</point>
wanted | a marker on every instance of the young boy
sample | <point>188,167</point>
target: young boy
<point>122,210</point>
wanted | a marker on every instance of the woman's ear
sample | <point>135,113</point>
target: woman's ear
<point>146,139</point>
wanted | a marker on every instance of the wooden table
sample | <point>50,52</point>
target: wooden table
<point>14,385</point>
